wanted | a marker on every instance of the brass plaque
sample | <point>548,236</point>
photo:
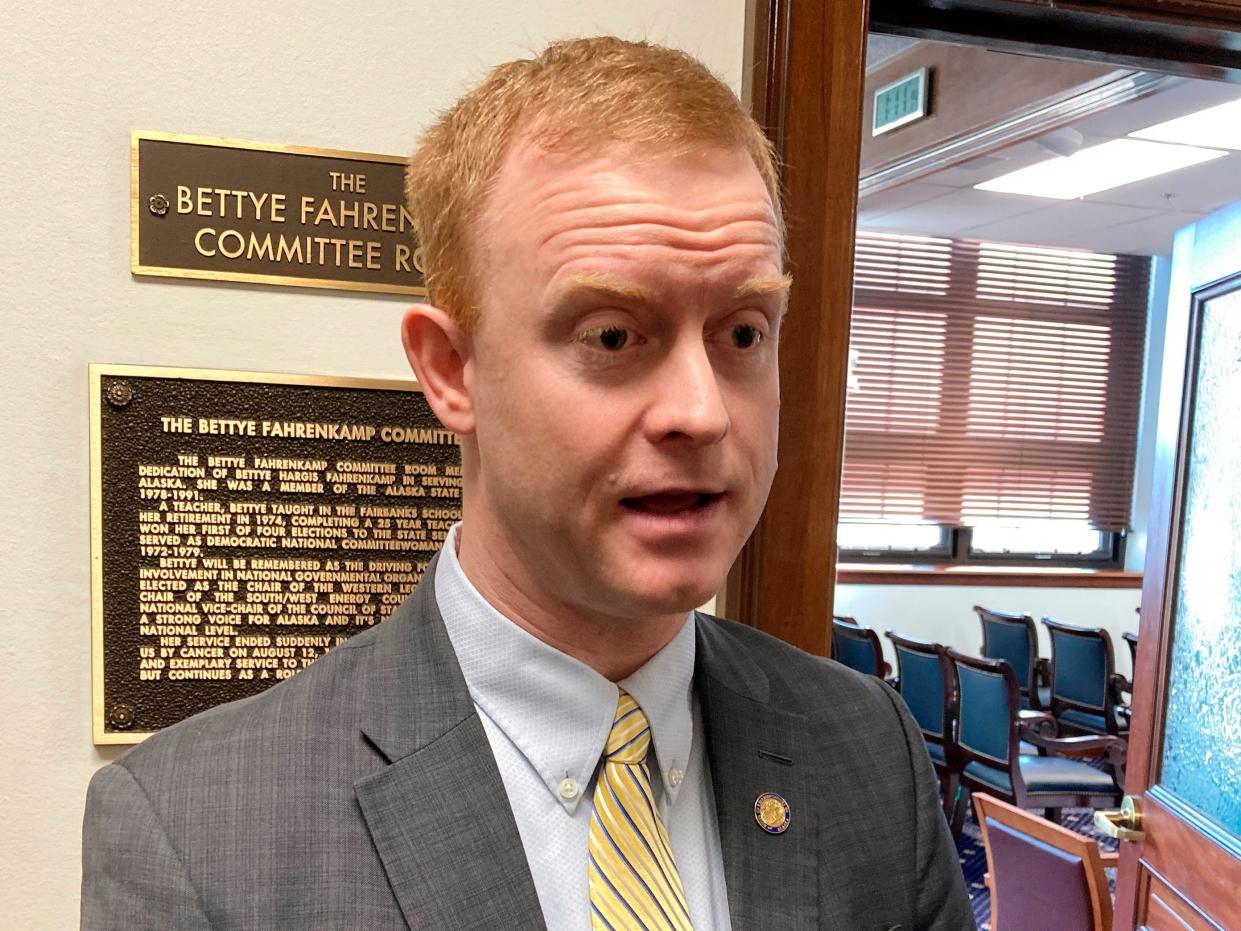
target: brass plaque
<point>228,210</point>
<point>244,523</point>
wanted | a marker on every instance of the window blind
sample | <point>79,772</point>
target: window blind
<point>992,381</point>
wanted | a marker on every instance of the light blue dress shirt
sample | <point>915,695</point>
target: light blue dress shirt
<point>547,717</point>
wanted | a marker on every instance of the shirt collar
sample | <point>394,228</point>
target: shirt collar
<point>554,708</point>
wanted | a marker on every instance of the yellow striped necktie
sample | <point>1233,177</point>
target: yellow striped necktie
<point>634,884</point>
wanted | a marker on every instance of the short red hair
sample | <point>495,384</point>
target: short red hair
<point>576,95</point>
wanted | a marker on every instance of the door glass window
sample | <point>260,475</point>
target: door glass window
<point>1202,736</point>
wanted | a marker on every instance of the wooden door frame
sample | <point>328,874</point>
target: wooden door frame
<point>803,76</point>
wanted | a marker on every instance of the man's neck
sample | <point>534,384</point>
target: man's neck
<point>614,646</point>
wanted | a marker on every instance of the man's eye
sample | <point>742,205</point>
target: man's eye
<point>611,338</point>
<point>745,336</point>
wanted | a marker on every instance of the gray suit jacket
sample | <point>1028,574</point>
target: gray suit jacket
<point>362,793</point>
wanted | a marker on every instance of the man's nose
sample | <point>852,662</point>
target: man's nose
<point>688,401</point>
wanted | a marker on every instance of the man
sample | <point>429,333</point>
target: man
<point>546,734</point>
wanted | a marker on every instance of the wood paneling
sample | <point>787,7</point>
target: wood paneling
<point>1176,848</point>
<point>805,76</point>
<point>971,89</point>
<point>944,575</point>
<point>1161,913</point>
<point>1167,9</point>
<point>1192,37</point>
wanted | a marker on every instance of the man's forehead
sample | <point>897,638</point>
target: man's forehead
<point>532,166</point>
<point>542,192</point>
<point>553,212</point>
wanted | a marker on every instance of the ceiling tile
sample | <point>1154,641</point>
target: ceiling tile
<point>944,216</point>
<point>1138,217</point>
<point>1188,96</point>
<point>1049,225</point>
<point>1199,189</point>
<point>899,198</point>
<point>1152,236</point>
<point>978,170</point>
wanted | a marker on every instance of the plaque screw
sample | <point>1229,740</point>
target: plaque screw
<point>121,715</point>
<point>119,394</point>
<point>159,204</point>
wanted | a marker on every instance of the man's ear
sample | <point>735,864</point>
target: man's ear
<point>438,350</point>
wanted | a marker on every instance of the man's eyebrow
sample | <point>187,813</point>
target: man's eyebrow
<point>594,281</point>
<point>766,284</point>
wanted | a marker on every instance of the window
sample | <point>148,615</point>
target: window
<point>993,401</point>
<point>895,540</point>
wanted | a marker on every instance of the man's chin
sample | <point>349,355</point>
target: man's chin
<point>651,598</point>
<point>641,583</point>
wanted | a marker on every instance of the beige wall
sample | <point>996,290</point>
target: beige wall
<point>77,79</point>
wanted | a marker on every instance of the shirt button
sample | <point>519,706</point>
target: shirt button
<point>675,776</point>
<point>569,788</point>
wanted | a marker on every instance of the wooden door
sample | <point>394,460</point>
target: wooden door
<point>1184,772</point>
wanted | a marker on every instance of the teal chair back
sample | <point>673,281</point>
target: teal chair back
<point>1014,639</point>
<point>856,647</point>
<point>926,682</point>
<point>988,703</point>
<point>923,683</point>
<point>1082,689</point>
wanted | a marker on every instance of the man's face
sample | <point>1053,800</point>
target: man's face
<point>624,373</point>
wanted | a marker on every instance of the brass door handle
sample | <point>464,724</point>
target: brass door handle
<point>1125,824</point>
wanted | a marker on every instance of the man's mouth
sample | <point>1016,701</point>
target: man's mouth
<point>672,502</point>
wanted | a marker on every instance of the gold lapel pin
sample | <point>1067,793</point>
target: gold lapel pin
<point>772,813</point>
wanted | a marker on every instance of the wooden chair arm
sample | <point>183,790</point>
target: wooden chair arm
<point>1038,722</point>
<point>1074,746</point>
<point>1031,716</point>
<point>1110,857</point>
<point>1115,749</point>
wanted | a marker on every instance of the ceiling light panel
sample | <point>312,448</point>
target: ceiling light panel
<point>1099,168</point>
<point>1217,127</point>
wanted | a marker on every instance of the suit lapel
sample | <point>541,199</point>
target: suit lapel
<point>754,748</point>
<point>438,813</point>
